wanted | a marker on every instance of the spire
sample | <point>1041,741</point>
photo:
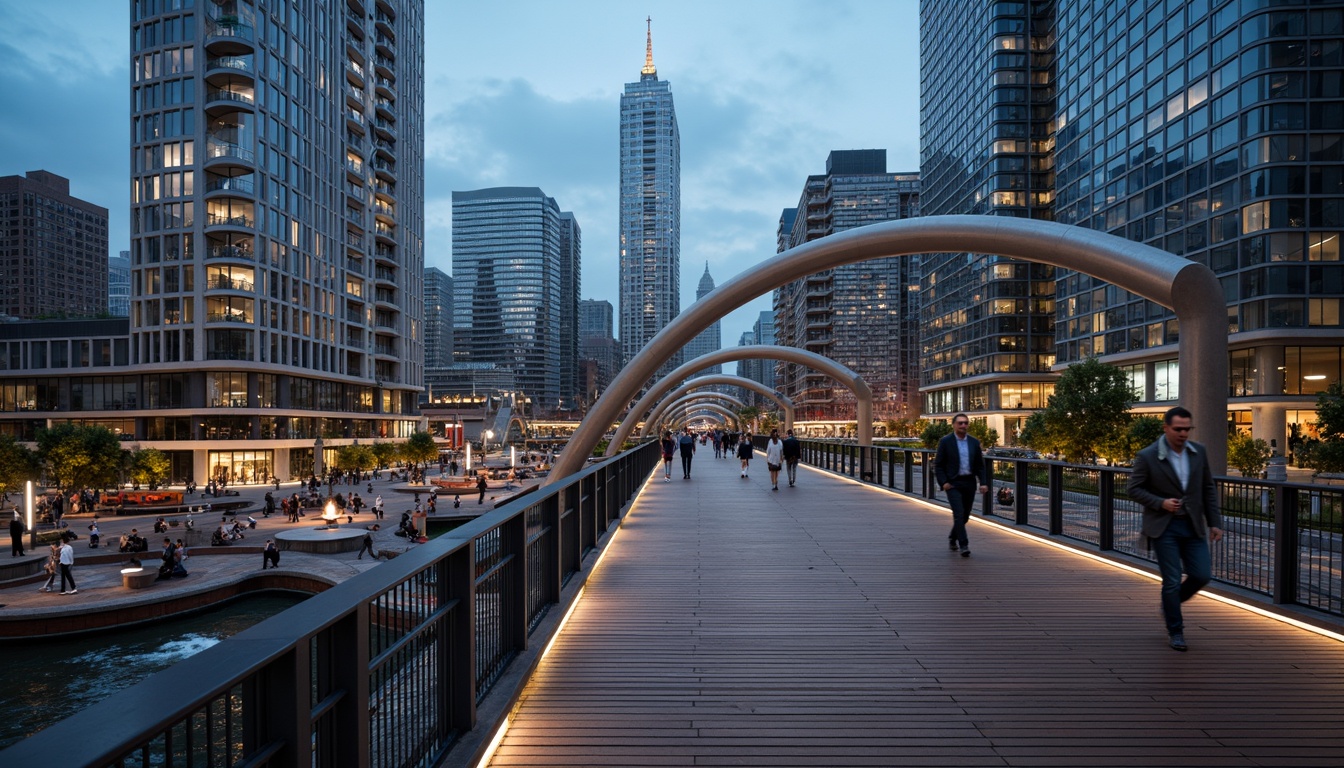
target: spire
<point>649,69</point>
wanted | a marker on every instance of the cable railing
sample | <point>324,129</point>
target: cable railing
<point>1283,540</point>
<point>384,669</point>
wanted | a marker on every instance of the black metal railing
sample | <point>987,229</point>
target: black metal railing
<point>1283,540</point>
<point>390,664</point>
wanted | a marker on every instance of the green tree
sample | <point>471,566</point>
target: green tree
<point>384,454</point>
<point>1039,434</point>
<point>18,464</point>
<point>749,415</point>
<point>1330,412</point>
<point>1138,434</point>
<point>149,467</point>
<point>934,432</point>
<point>1247,455</point>
<point>980,430</point>
<point>354,458</point>
<point>1089,407</point>
<point>80,456</point>
<point>420,448</point>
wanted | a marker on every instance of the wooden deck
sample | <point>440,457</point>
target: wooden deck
<point>828,625</point>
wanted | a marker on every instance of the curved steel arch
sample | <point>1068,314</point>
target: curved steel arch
<point>711,380</point>
<point>1189,288</point>
<point>862,392</point>
<point>695,397</point>
<point>695,408</point>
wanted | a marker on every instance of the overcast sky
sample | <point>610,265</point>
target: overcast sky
<point>527,93</point>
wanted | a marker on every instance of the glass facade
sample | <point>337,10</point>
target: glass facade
<point>438,293</point>
<point>710,339</point>
<point>863,316</point>
<point>507,299</point>
<point>650,212</point>
<point>1211,129</point>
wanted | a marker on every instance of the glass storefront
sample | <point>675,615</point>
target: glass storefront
<point>242,467</point>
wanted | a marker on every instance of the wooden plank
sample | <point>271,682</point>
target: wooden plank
<point>828,625</point>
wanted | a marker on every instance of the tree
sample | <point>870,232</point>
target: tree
<point>355,458</point>
<point>934,432</point>
<point>80,457</point>
<point>980,430</point>
<point>1247,455</point>
<point>1089,407</point>
<point>149,467</point>
<point>420,448</point>
<point>384,454</point>
<point>1039,434</point>
<point>1326,454</point>
<point>749,415</point>
<point>18,464</point>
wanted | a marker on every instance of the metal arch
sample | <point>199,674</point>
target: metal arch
<point>707,381</point>
<point>863,394</point>
<point>728,401</point>
<point>695,409</point>
<point>1189,288</point>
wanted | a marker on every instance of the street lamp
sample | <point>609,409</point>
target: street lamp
<point>487,436</point>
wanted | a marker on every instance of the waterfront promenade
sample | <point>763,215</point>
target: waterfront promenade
<point>829,625</point>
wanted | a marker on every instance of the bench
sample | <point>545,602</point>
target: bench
<point>138,578</point>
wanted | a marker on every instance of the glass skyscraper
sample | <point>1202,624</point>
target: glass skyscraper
<point>863,316</point>
<point>710,339</point>
<point>509,257</point>
<point>650,211</point>
<point>1211,129</point>
<point>438,293</point>
<point>53,249</point>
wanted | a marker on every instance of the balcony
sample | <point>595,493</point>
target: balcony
<point>385,44</point>
<point>354,167</point>
<point>385,167</point>
<point>385,147</point>
<point>385,252</point>
<point>223,153</point>
<point>232,316</point>
<point>354,72</point>
<point>386,232</point>
<point>229,65</point>
<point>230,220</point>
<point>385,86</point>
<point>240,251</point>
<point>385,275</point>
<point>354,121</point>
<point>385,350</point>
<point>386,109</point>
<point>224,283</point>
<point>385,189</point>
<point>384,211</point>
<point>355,23</point>
<point>384,65</point>
<point>355,192</point>
<point>230,185</point>
<point>354,96</point>
<point>229,35</point>
<point>388,128</point>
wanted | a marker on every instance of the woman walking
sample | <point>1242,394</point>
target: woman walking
<point>774,458</point>
<point>744,451</point>
<point>669,449</point>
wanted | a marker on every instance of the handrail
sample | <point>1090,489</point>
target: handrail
<point>386,668</point>
<point>1279,537</point>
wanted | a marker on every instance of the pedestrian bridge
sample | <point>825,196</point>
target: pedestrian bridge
<point>723,623</point>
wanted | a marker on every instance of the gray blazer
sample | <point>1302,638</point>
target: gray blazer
<point>1154,480</point>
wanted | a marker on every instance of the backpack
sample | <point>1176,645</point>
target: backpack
<point>686,440</point>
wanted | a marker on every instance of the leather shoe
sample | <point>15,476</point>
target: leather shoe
<point>1178,642</point>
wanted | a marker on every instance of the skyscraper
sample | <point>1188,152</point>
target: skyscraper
<point>438,293</point>
<point>119,284</point>
<point>650,210</point>
<point>276,243</point>
<point>571,280</point>
<point>53,249</point>
<point>863,316</point>
<point>763,371</point>
<point>1209,130</point>
<point>710,339</point>
<point>508,261</point>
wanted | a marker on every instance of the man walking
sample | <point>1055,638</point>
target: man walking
<point>16,536</point>
<point>367,547</point>
<point>1173,482</point>
<point>793,453</point>
<point>687,445</point>
<point>959,467</point>
<point>67,562</point>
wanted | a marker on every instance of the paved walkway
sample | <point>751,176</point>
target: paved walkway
<point>829,625</point>
<point>100,586</point>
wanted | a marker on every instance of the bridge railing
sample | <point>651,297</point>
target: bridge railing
<point>1283,540</point>
<point>389,665</point>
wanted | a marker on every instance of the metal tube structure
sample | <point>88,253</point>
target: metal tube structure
<point>862,392</point>
<point>728,401</point>
<point>693,410</point>
<point>713,380</point>
<point>1187,287</point>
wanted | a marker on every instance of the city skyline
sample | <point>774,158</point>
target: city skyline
<point>761,90</point>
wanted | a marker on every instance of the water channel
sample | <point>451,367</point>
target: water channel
<point>49,680</point>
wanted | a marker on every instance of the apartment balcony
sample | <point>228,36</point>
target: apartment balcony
<point>385,108</point>
<point>354,217</point>
<point>387,253</point>
<point>228,221</point>
<point>385,128</point>
<point>231,316</point>
<point>229,35</point>
<point>232,249</point>
<point>355,121</point>
<point>385,86</point>
<point>224,283</point>
<point>222,68</point>
<point>383,22</point>
<point>386,350</point>
<point>354,315</point>
<point>355,242</point>
<point>354,73</point>
<point>356,193</point>
<point>384,65</point>
<point>354,97</point>
<point>230,186</point>
<point>385,44</point>
<point>385,148</point>
<point>384,189</point>
<point>226,155</point>
<point>384,212</point>
<point>354,169</point>
<point>384,232</point>
<point>354,22</point>
<point>385,275</point>
<point>385,167</point>
<point>386,298</point>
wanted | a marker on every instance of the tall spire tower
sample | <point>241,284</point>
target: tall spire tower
<point>650,233</point>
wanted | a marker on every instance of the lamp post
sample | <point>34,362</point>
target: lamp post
<point>486,437</point>
<point>31,505</point>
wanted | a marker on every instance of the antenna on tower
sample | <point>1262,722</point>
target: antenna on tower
<point>649,69</point>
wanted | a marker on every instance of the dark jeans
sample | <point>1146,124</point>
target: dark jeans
<point>686,464</point>
<point>1180,547</point>
<point>961,498</point>
<point>66,575</point>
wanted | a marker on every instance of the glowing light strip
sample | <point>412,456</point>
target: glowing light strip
<point>503,729</point>
<point>1232,601</point>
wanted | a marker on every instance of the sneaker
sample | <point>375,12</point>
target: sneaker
<point>952,545</point>
<point>965,551</point>
<point>1178,643</point>
<point>774,487</point>
<point>44,589</point>
<point>73,591</point>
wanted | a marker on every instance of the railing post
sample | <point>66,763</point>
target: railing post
<point>1056,499</point>
<point>930,478</point>
<point>1021,487</point>
<point>1286,544</point>
<point>513,540</point>
<point>909,460</point>
<point>987,498</point>
<point>891,468</point>
<point>1106,510</point>
<point>458,655</point>
<point>280,700</point>
<point>550,519</point>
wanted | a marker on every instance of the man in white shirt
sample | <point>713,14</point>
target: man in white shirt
<point>67,562</point>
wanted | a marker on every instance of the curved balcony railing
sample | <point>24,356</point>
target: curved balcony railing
<point>232,63</point>
<point>221,283</point>
<point>216,149</point>
<point>228,220</point>
<point>227,317</point>
<point>229,252</point>
<point>238,184</point>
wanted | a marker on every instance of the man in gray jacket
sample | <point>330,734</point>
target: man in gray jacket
<point>1173,482</point>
